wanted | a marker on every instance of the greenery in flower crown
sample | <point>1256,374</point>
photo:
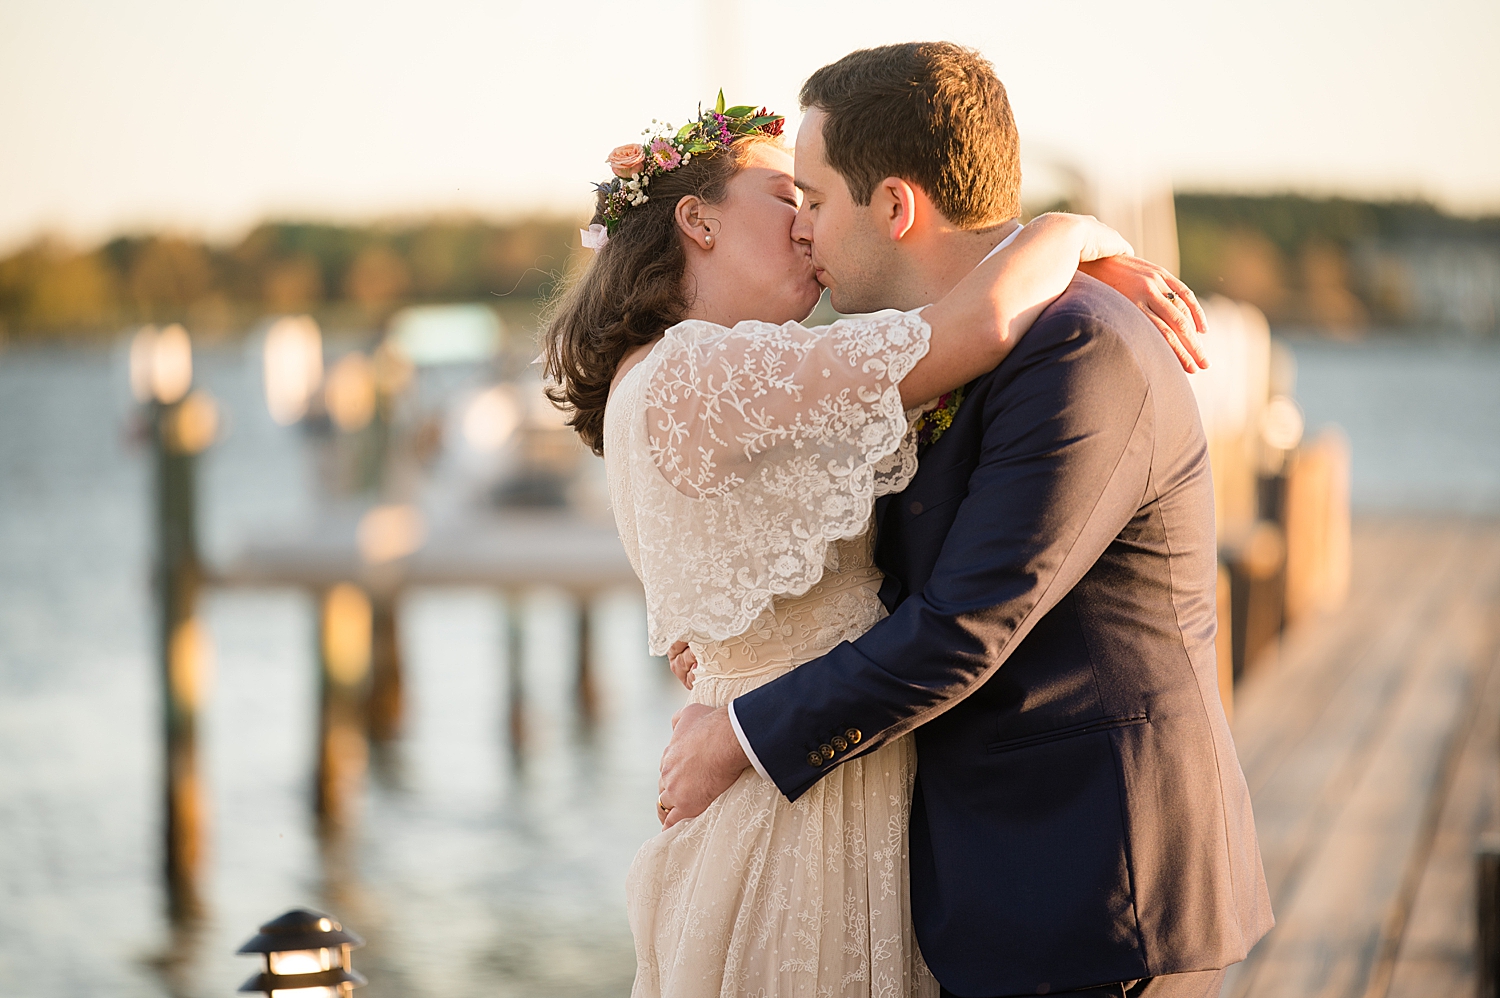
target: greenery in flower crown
<point>635,164</point>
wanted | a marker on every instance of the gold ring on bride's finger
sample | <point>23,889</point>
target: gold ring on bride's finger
<point>660,806</point>
<point>1171,296</point>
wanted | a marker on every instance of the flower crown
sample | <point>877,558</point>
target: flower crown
<point>635,164</point>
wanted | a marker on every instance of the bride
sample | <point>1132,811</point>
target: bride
<point>744,454</point>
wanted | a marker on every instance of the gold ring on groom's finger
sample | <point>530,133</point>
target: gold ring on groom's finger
<point>660,806</point>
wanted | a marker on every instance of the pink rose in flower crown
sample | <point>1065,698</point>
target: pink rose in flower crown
<point>627,160</point>
<point>665,154</point>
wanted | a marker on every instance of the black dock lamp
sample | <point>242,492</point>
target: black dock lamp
<point>307,956</point>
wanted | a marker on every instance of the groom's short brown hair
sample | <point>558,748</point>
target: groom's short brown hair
<point>932,113</point>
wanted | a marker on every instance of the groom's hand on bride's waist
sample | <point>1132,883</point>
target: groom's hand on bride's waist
<point>702,760</point>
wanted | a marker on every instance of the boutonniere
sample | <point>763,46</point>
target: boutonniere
<point>933,422</point>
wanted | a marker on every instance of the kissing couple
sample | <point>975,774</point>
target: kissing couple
<point>940,579</point>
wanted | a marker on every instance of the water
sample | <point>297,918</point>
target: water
<point>473,873</point>
<point>1423,418</point>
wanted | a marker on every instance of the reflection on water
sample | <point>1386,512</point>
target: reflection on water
<point>471,872</point>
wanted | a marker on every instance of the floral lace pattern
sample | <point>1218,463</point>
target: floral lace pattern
<point>761,897</point>
<point>745,453</point>
<point>743,467</point>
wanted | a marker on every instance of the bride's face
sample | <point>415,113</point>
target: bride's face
<point>754,269</point>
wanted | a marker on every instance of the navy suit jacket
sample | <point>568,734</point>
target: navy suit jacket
<point>1080,816</point>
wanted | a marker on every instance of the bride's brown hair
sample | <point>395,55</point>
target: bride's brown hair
<point>632,290</point>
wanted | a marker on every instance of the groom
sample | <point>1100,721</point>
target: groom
<point>1080,824</point>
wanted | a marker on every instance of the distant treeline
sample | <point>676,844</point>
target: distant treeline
<point>1333,265</point>
<point>1342,266</point>
<point>348,276</point>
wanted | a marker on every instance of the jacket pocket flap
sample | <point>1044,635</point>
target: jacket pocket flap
<point>1071,731</point>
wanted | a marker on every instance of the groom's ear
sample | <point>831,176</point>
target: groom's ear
<point>897,201</point>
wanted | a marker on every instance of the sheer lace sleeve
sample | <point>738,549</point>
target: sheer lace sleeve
<point>752,450</point>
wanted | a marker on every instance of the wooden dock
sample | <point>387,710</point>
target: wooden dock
<point>1371,743</point>
<point>357,562</point>
<point>518,549</point>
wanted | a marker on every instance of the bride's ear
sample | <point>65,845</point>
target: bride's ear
<point>692,222</point>
<point>898,202</point>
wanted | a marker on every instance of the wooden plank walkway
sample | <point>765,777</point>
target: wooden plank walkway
<point>1371,743</point>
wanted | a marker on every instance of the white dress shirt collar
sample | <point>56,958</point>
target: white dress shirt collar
<point>1004,242</point>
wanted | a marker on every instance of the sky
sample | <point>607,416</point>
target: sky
<point>204,116</point>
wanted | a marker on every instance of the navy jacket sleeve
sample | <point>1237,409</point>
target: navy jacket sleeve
<point>1064,463</point>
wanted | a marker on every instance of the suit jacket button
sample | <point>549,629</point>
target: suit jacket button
<point>815,759</point>
<point>915,508</point>
<point>853,734</point>
<point>839,743</point>
<point>827,750</point>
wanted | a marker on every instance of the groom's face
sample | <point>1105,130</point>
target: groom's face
<point>851,246</point>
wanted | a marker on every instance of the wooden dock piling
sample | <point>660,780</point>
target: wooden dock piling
<point>1316,515</point>
<point>515,667</point>
<point>1257,586</point>
<point>387,692</point>
<point>1487,881</point>
<point>183,655</point>
<point>587,692</point>
<point>181,423</point>
<point>344,651</point>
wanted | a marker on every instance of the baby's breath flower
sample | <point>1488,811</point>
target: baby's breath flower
<point>710,132</point>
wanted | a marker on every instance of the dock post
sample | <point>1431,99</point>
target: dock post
<point>1257,573</point>
<point>588,703</point>
<point>1317,527</point>
<point>182,424</point>
<point>387,697</point>
<point>1487,962</point>
<point>514,671</point>
<point>184,653</point>
<point>344,654</point>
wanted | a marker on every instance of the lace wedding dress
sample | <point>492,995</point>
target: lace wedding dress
<point>743,467</point>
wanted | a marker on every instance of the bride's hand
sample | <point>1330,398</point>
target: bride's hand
<point>1167,302</point>
<point>682,660</point>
